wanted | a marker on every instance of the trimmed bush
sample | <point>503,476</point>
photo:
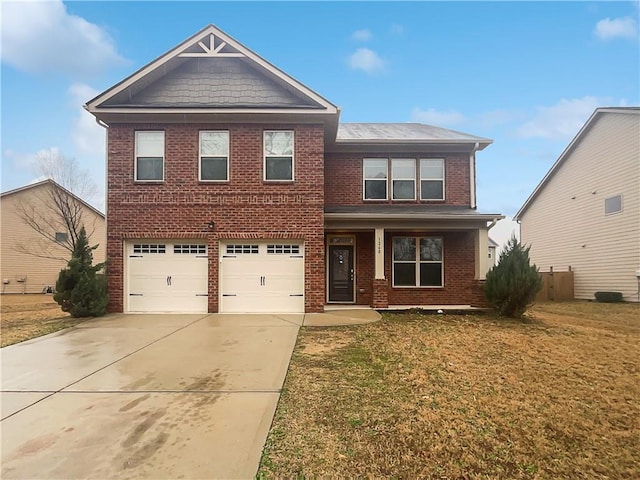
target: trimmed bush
<point>609,297</point>
<point>513,284</point>
<point>80,290</point>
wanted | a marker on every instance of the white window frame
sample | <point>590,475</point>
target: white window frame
<point>135,157</point>
<point>364,180</point>
<point>412,179</point>
<point>265,156</point>
<point>443,180</point>
<point>226,180</point>
<point>417,262</point>
<point>615,211</point>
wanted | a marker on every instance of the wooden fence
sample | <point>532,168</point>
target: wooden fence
<point>556,286</point>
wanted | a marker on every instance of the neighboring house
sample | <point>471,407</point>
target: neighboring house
<point>585,213</point>
<point>232,187</point>
<point>493,258</point>
<point>30,262</point>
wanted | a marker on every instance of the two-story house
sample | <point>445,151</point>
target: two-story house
<point>232,187</point>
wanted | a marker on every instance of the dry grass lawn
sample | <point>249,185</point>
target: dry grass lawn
<point>29,316</point>
<point>465,397</point>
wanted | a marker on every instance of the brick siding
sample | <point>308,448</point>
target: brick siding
<point>343,178</point>
<point>244,207</point>
<point>460,288</point>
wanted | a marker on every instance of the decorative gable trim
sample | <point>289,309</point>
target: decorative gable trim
<point>209,42</point>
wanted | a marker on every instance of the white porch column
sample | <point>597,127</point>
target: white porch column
<point>379,255</point>
<point>482,253</point>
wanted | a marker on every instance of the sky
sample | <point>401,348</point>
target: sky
<point>525,74</point>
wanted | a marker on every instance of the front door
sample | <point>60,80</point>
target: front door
<point>341,273</point>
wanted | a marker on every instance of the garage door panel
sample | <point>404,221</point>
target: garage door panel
<point>160,280</point>
<point>254,279</point>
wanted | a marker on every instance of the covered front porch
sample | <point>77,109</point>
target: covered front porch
<point>403,257</point>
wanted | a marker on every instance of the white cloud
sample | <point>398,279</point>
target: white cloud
<point>623,27</point>
<point>366,60</point>
<point>28,161</point>
<point>560,121</point>
<point>43,37</point>
<point>431,116</point>
<point>363,35</point>
<point>88,137</point>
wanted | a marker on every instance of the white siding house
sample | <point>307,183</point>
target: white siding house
<point>585,213</point>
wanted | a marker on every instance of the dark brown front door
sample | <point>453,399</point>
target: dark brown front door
<point>340,273</point>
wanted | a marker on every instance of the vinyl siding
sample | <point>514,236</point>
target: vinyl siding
<point>38,272</point>
<point>566,223</point>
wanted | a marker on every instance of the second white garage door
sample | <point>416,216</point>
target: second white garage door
<point>261,277</point>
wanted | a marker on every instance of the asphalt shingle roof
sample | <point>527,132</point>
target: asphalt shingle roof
<point>401,132</point>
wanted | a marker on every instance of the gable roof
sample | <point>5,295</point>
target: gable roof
<point>209,73</point>
<point>54,184</point>
<point>598,113</point>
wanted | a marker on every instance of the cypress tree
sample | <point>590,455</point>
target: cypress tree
<point>513,284</point>
<point>80,290</point>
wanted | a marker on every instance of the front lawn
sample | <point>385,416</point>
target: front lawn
<point>464,396</point>
<point>28,316</point>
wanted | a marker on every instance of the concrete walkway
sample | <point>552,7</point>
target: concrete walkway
<point>144,396</point>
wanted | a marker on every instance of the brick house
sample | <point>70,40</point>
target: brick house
<point>232,187</point>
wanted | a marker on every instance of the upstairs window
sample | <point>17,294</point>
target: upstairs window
<point>149,152</point>
<point>62,237</point>
<point>431,179</point>
<point>613,205</point>
<point>375,176</point>
<point>214,156</point>
<point>403,173</point>
<point>278,156</point>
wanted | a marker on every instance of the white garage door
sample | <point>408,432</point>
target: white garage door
<point>167,276</point>
<point>261,277</point>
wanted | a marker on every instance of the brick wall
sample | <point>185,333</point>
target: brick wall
<point>460,288</point>
<point>244,207</point>
<point>343,178</point>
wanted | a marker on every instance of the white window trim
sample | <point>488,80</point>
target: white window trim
<point>200,179</point>
<point>364,179</point>
<point>417,263</point>
<point>135,156</point>
<point>443,179</point>
<point>265,156</point>
<point>617,211</point>
<point>413,179</point>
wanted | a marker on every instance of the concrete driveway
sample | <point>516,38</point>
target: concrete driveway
<point>144,396</point>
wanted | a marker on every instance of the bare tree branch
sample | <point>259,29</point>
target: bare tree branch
<point>55,210</point>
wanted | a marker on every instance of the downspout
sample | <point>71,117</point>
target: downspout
<point>472,176</point>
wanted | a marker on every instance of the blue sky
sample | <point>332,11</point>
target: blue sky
<point>526,74</point>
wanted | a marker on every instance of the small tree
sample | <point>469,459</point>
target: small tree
<point>58,207</point>
<point>80,290</point>
<point>513,284</point>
